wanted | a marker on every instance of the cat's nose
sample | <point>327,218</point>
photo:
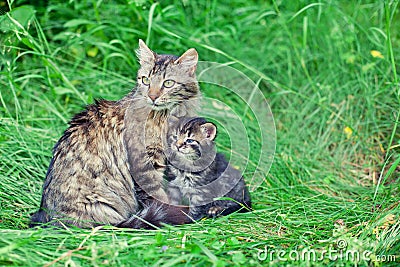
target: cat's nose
<point>153,93</point>
<point>179,144</point>
<point>153,97</point>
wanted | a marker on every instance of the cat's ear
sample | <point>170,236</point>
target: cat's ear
<point>145,55</point>
<point>189,60</point>
<point>209,130</point>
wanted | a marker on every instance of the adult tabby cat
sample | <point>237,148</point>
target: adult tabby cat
<point>198,174</point>
<point>108,166</point>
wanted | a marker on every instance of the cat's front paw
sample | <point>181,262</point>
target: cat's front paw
<point>214,211</point>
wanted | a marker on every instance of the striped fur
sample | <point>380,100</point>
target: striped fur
<point>197,174</point>
<point>108,166</point>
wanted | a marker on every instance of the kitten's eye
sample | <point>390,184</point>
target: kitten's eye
<point>145,80</point>
<point>168,83</point>
<point>190,141</point>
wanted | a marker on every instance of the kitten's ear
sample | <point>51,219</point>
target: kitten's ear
<point>209,130</point>
<point>189,60</point>
<point>145,55</point>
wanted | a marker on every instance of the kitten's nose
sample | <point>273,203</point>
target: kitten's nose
<point>179,144</point>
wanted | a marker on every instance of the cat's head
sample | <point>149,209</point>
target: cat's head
<point>193,139</point>
<point>165,81</point>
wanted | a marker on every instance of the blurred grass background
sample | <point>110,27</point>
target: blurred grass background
<point>327,68</point>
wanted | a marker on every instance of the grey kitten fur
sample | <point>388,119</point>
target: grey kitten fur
<point>197,174</point>
<point>108,166</point>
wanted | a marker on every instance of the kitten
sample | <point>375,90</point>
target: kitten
<point>108,166</point>
<point>198,174</point>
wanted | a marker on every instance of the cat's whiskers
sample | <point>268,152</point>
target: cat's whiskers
<point>136,99</point>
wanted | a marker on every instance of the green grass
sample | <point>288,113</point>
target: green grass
<point>336,170</point>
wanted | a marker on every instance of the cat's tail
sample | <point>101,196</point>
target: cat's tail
<point>154,214</point>
<point>39,218</point>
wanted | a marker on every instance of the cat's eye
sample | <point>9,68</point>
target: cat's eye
<point>190,141</point>
<point>168,83</point>
<point>145,80</point>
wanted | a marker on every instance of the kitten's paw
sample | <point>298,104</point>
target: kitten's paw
<point>197,214</point>
<point>214,211</point>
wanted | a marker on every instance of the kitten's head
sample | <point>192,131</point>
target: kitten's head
<point>166,80</point>
<point>193,139</point>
